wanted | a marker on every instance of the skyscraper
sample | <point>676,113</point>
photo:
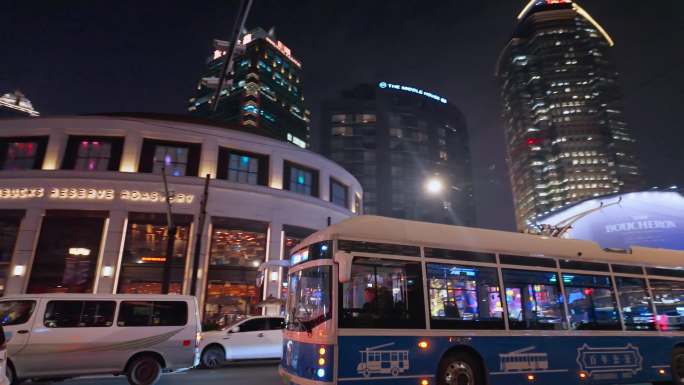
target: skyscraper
<point>395,139</point>
<point>563,116</point>
<point>265,89</point>
<point>15,104</point>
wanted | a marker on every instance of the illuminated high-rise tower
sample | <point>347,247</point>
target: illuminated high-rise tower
<point>15,104</point>
<point>566,136</point>
<point>264,90</point>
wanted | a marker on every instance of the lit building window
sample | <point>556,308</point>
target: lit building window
<point>343,131</point>
<point>242,167</point>
<point>365,118</point>
<point>144,254</point>
<point>338,193</point>
<point>341,118</point>
<point>9,229</point>
<point>179,159</point>
<point>22,153</point>
<point>238,247</point>
<point>301,180</point>
<point>66,253</point>
<point>396,132</point>
<point>93,153</point>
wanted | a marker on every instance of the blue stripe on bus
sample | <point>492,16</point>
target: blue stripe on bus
<point>509,360</point>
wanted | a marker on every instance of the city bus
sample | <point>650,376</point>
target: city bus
<point>376,300</point>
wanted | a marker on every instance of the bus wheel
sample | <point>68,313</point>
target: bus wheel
<point>395,372</point>
<point>678,366</point>
<point>144,370</point>
<point>459,369</point>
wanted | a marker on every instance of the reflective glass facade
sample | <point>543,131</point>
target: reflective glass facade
<point>265,92</point>
<point>393,141</point>
<point>563,115</point>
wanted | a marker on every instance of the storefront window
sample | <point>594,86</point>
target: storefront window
<point>87,153</point>
<point>338,193</point>
<point>238,247</point>
<point>67,251</point>
<point>144,254</point>
<point>9,229</point>
<point>179,159</point>
<point>175,159</point>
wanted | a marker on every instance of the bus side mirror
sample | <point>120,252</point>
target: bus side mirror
<point>344,262</point>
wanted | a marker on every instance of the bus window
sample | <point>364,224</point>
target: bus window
<point>383,293</point>
<point>636,303</point>
<point>464,297</point>
<point>591,302</point>
<point>534,300</point>
<point>668,297</point>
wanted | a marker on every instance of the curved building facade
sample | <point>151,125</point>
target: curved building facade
<point>647,218</point>
<point>567,139</point>
<point>82,207</point>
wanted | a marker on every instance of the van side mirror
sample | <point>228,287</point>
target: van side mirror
<point>235,329</point>
<point>344,262</point>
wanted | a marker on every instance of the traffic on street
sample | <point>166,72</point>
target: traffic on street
<point>247,373</point>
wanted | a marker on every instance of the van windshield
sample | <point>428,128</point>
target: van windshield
<point>309,304</point>
<point>16,312</point>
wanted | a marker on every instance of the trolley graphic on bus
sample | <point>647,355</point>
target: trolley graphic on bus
<point>376,361</point>
<point>523,360</point>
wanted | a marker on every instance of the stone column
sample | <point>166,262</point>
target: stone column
<point>130,158</point>
<point>112,243</point>
<point>24,251</point>
<point>272,287</point>
<point>55,150</point>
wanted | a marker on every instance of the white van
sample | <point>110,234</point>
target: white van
<point>58,336</point>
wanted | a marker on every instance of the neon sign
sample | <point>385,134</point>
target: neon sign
<point>385,85</point>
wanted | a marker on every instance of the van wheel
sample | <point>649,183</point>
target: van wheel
<point>11,375</point>
<point>213,357</point>
<point>144,370</point>
<point>459,368</point>
<point>678,366</point>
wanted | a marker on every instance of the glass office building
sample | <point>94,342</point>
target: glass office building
<point>567,139</point>
<point>395,138</point>
<point>264,91</point>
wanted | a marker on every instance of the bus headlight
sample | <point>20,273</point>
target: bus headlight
<point>320,373</point>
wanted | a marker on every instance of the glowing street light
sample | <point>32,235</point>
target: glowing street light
<point>434,185</point>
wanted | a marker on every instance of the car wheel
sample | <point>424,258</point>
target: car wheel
<point>213,357</point>
<point>143,370</point>
<point>459,369</point>
<point>678,366</point>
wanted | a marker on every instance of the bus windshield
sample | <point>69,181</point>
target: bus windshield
<point>308,303</point>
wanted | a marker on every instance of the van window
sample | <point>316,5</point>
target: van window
<point>591,302</point>
<point>16,312</point>
<point>153,313</point>
<point>79,314</point>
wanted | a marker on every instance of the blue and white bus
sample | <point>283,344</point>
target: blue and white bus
<point>385,301</point>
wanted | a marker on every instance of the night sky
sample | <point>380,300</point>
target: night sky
<point>75,57</point>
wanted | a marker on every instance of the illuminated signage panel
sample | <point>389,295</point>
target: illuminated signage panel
<point>399,87</point>
<point>91,194</point>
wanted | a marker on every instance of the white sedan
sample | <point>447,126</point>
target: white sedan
<point>249,339</point>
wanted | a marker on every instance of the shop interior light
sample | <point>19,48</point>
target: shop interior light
<point>19,270</point>
<point>107,271</point>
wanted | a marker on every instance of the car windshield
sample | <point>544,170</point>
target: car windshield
<point>308,303</point>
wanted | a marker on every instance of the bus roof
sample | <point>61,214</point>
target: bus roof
<point>372,228</point>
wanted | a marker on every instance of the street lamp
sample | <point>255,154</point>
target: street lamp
<point>434,185</point>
